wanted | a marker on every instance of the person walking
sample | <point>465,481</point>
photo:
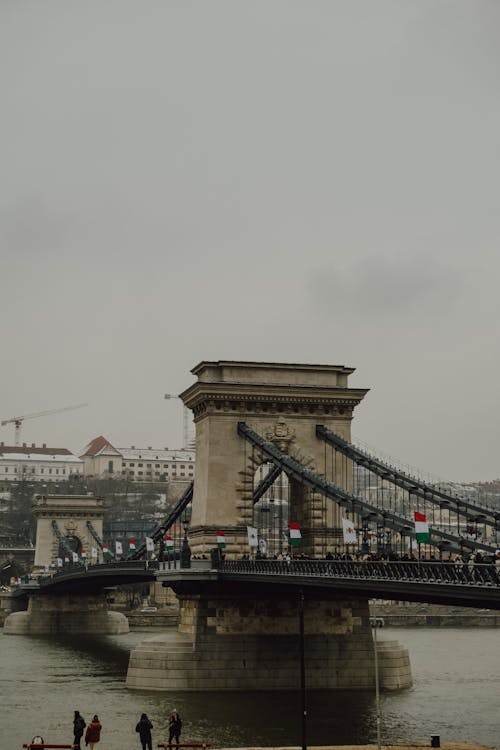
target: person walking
<point>144,728</point>
<point>93,733</point>
<point>78,729</point>
<point>174,727</point>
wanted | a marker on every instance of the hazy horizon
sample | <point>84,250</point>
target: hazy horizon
<point>272,181</point>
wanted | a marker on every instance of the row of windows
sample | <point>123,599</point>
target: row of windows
<point>131,473</point>
<point>158,466</point>
<point>42,470</point>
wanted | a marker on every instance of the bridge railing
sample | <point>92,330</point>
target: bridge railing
<point>105,567</point>
<point>399,570</point>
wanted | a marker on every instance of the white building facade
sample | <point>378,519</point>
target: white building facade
<point>40,464</point>
<point>101,459</point>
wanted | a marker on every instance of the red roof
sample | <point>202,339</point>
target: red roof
<point>99,445</point>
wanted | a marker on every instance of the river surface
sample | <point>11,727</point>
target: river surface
<point>456,695</point>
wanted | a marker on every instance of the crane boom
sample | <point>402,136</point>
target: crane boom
<point>17,421</point>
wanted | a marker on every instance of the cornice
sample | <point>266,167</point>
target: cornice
<point>341,403</point>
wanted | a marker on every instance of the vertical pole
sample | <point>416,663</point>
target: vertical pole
<point>377,687</point>
<point>302,670</point>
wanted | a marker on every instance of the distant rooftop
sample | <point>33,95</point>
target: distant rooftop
<point>32,452</point>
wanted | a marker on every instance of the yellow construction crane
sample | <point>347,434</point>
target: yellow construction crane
<point>17,421</point>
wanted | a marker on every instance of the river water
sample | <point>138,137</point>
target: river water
<point>456,695</point>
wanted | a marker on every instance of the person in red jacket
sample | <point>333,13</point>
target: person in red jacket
<point>93,732</point>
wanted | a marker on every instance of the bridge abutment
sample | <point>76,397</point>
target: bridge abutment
<point>66,614</point>
<point>233,642</point>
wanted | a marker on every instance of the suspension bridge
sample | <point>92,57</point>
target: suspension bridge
<point>273,446</point>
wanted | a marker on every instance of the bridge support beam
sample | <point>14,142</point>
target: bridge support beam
<point>238,643</point>
<point>66,614</point>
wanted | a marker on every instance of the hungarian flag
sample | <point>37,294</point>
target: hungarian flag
<point>421,529</point>
<point>221,539</point>
<point>84,554</point>
<point>169,542</point>
<point>118,548</point>
<point>131,545</point>
<point>295,535</point>
<point>105,549</point>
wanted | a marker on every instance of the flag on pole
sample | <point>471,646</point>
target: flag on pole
<point>349,531</point>
<point>118,548</point>
<point>93,552</point>
<point>295,535</point>
<point>169,542</point>
<point>221,539</point>
<point>84,554</point>
<point>150,545</point>
<point>66,559</point>
<point>252,536</point>
<point>131,545</point>
<point>105,550</point>
<point>75,557</point>
<point>59,562</point>
<point>421,528</point>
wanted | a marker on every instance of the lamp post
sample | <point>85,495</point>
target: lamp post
<point>161,555</point>
<point>377,686</point>
<point>185,549</point>
<point>302,671</point>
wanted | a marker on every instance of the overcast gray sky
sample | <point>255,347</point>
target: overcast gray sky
<point>312,181</point>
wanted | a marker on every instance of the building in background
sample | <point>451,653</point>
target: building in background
<point>41,464</point>
<point>102,460</point>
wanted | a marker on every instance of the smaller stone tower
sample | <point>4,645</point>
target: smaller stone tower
<point>76,519</point>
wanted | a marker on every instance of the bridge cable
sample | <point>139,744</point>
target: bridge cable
<point>310,479</point>
<point>167,522</point>
<point>96,536</point>
<point>61,539</point>
<point>470,509</point>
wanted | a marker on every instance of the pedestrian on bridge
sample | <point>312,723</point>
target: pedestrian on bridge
<point>144,727</point>
<point>78,729</point>
<point>93,733</point>
<point>174,727</point>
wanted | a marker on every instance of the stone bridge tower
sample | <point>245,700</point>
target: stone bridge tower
<point>246,637</point>
<point>283,403</point>
<point>68,521</point>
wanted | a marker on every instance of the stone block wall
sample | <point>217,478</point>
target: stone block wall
<point>230,644</point>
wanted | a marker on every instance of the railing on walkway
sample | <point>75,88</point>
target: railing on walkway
<point>106,567</point>
<point>383,570</point>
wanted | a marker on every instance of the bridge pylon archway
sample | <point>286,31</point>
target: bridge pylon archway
<point>66,524</point>
<point>283,403</point>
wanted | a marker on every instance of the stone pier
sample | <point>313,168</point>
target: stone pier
<point>66,614</point>
<point>239,643</point>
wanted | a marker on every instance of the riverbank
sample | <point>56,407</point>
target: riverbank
<point>444,746</point>
<point>409,615</point>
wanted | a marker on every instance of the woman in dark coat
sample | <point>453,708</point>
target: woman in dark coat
<point>78,728</point>
<point>174,727</point>
<point>144,728</point>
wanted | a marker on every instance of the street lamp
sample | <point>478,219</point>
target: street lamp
<point>185,549</point>
<point>162,545</point>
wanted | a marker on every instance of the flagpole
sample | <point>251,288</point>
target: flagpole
<point>377,687</point>
<point>302,669</point>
